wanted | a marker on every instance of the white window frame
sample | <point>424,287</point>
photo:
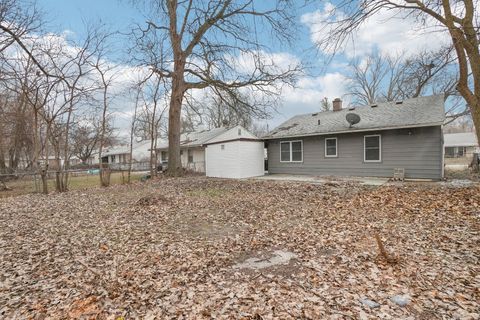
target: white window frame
<point>379,148</point>
<point>336,148</point>
<point>291,150</point>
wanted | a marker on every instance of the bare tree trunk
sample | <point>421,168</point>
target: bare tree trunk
<point>129,174</point>
<point>58,171</point>
<point>475,112</point>
<point>44,171</point>
<point>66,153</point>
<point>153,169</point>
<point>132,133</point>
<point>36,147</point>
<point>104,174</point>
<point>174,125</point>
<point>174,160</point>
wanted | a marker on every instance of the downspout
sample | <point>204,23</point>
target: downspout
<point>442,144</point>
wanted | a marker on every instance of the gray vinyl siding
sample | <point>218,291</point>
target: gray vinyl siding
<point>418,150</point>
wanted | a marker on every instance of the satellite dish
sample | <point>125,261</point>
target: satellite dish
<point>352,118</point>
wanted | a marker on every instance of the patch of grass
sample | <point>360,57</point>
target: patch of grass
<point>467,174</point>
<point>209,192</point>
<point>27,185</point>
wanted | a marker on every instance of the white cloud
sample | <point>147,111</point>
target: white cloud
<point>388,31</point>
<point>307,95</point>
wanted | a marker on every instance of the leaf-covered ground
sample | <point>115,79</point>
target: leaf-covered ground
<point>168,249</point>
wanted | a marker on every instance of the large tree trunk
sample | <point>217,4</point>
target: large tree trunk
<point>475,111</point>
<point>174,123</point>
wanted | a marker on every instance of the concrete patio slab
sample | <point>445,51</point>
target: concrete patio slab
<point>371,181</point>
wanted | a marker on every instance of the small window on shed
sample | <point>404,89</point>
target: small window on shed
<point>222,147</point>
<point>239,132</point>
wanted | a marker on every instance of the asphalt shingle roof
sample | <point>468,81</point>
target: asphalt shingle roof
<point>415,112</point>
<point>195,139</point>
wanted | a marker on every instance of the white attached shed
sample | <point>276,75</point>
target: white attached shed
<point>236,153</point>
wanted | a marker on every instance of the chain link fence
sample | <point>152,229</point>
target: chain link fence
<point>22,182</point>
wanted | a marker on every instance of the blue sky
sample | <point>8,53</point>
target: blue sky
<point>382,34</point>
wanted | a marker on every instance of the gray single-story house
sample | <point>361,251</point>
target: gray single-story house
<point>371,140</point>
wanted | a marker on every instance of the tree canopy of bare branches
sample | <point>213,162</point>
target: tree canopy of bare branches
<point>213,45</point>
<point>383,77</point>
<point>459,19</point>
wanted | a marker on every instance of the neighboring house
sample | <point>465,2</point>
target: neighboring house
<point>459,148</point>
<point>220,152</point>
<point>118,157</point>
<point>192,148</point>
<point>92,160</point>
<point>405,135</point>
<point>53,162</point>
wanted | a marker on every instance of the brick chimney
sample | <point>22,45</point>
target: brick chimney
<point>337,104</point>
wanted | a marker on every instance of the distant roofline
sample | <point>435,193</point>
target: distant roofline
<point>352,130</point>
<point>197,145</point>
<point>232,140</point>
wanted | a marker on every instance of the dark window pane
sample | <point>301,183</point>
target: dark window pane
<point>285,151</point>
<point>460,152</point>
<point>297,146</point>
<point>297,156</point>
<point>372,142</point>
<point>449,152</point>
<point>331,151</point>
<point>331,143</point>
<point>190,156</point>
<point>331,147</point>
<point>372,154</point>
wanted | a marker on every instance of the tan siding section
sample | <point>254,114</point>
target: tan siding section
<point>420,153</point>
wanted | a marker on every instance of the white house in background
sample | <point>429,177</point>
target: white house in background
<point>192,148</point>
<point>459,148</point>
<point>119,156</point>
<point>236,153</point>
<point>220,152</point>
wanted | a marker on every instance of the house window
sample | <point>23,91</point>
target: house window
<point>455,152</point>
<point>330,147</point>
<point>291,151</point>
<point>372,146</point>
<point>164,156</point>
<point>190,156</point>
